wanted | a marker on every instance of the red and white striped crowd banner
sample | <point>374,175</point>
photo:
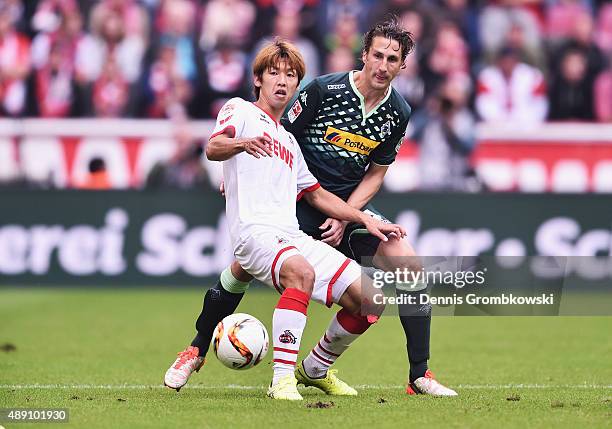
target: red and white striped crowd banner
<point>568,157</point>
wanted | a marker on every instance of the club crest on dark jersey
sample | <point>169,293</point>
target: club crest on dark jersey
<point>287,337</point>
<point>385,130</point>
<point>295,111</point>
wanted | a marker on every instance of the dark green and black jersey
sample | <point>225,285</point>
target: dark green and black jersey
<point>337,139</point>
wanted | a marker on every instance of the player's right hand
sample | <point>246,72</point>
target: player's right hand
<point>335,231</point>
<point>382,229</point>
<point>257,146</point>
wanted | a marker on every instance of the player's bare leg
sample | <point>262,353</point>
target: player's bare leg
<point>345,327</point>
<point>288,322</point>
<point>415,318</point>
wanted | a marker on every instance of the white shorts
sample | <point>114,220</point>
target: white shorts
<point>262,254</point>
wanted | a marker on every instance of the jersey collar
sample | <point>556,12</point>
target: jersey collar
<point>269,116</point>
<point>362,99</point>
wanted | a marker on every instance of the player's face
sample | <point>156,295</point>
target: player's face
<point>382,62</point>
<point>277,85</point>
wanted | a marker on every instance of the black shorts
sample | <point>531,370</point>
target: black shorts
<point>357,242</point>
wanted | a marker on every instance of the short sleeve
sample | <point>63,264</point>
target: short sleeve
<point>385,153</point>
<point>306,182</point>
<point>230,119</point>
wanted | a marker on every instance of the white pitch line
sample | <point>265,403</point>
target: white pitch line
<point>262,387</point>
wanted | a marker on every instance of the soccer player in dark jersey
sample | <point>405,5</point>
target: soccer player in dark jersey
<point>350,127</point>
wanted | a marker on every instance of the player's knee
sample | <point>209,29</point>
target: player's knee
<point>299,276</point>
<point>307,278</point>
<point>239,273</point>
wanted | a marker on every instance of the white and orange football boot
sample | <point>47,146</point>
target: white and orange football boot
<point>187,362</point>
<point>428,385</point>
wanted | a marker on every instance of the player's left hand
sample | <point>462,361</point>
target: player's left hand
<point>384,230</point>
<point>335,231</point>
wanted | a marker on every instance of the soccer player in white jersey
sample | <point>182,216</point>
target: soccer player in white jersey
<point>264,174</point>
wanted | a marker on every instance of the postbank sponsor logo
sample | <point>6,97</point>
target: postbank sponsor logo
<point>349,141</point>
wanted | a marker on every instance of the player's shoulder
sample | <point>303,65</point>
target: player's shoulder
<point>400,104</point>
<point>237,102</point>
<point>332,81</point>
<point>235,107</point>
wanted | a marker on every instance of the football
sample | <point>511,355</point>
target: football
<point>240,341</point>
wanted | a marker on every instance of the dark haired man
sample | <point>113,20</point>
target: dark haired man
<point>349,127</point>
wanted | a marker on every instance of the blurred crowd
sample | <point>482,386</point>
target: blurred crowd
<point>491,60</point>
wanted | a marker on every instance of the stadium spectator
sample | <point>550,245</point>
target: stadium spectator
<point>108,39</point>
<point>227,19</point>
<point>511,91</point>
<point>340,60</point>
<point>571,92</point>
<point>604,28</point>
<point>448,56</point>
<point>334,11</point>
<point>425,8</point>
<point>67,34</point>
<point>176,25</point>
<point>15,64</point>
<point>445,134</point>
<point>603,96</point>
<point>345,34</point>
<point>50,15</point>
<point>582,37</point>
<point>97,177</point>
<point>54,85</point>
<point>225,76</point>
<point>412,21</point>
<point>560,17</point>
<point>185,169</point>
<point>53,58</point>
<point>498,17</point>
<point>531,54</point>
<point>211,40</point>
<point>110,91</point>
<point>287,26</point>
<point>465,17</point>
<point>410,84</point>
<point>313,22</point>
<point>168,89</point>
<point>133,15</point>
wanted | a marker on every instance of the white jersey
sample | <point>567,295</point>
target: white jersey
<point>261,192</point>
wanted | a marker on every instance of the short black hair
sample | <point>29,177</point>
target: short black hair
<point>96,164</point>
<point>390,29</point>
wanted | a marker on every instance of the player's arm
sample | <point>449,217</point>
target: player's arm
<point>224,146</point>
<point>369,186</point>
<point>334,207</point>
<point>382,157</point>
<point>363,193</point>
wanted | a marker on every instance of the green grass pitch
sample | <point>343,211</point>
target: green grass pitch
<point>103,353</point>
